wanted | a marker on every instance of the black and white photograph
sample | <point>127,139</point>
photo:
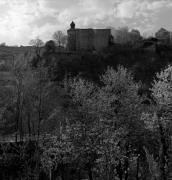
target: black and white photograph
<point>85,89</point>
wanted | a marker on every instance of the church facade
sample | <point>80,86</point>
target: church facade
<point>88,39</point>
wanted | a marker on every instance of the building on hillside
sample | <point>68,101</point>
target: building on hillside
<point>135,36</point>
<point>121,35</point>
<point>124,36</point>
<point>87,39</point>
<point>164,36</point>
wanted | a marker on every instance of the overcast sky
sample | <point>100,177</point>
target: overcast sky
<point>22,20</point>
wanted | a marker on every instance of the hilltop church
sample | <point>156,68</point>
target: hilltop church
<point>87,39</point>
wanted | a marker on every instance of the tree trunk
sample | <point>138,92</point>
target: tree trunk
<point>126,170</point>
<point>90,174</point>
<point>111,172</point>
<point>79,175</point>
<point>163,154</point>
<point>137,170</point>
<point>62,170</point>
<point>50,174</point>
<point>119,170</point>
<point>126,163</point>
<point>29,125</point>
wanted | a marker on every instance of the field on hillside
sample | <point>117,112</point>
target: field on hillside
<point>7,54</point>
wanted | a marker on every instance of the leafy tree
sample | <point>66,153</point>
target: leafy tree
<point>120,106</point>
<point>50,46</point>
<point>98,114</point>
<point>57,154</point>
<point>158,120</point>
<point>3,44</point>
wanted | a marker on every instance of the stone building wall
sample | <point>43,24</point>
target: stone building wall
<point>84,39</point>
<point>101,38</point>
<point>88,39</point>
<point>71,39</point>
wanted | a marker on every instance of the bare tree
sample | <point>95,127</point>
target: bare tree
<point>37,44</point>
<point>60,38</point>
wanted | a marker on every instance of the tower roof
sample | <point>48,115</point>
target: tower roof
<point>72,25</point>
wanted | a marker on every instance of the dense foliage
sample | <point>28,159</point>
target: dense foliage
<point>87,115</point>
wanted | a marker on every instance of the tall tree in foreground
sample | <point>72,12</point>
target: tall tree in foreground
<point>105,121</point>
<point>120,106</point>
<point>163,95</point>
<point>159,122</point>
